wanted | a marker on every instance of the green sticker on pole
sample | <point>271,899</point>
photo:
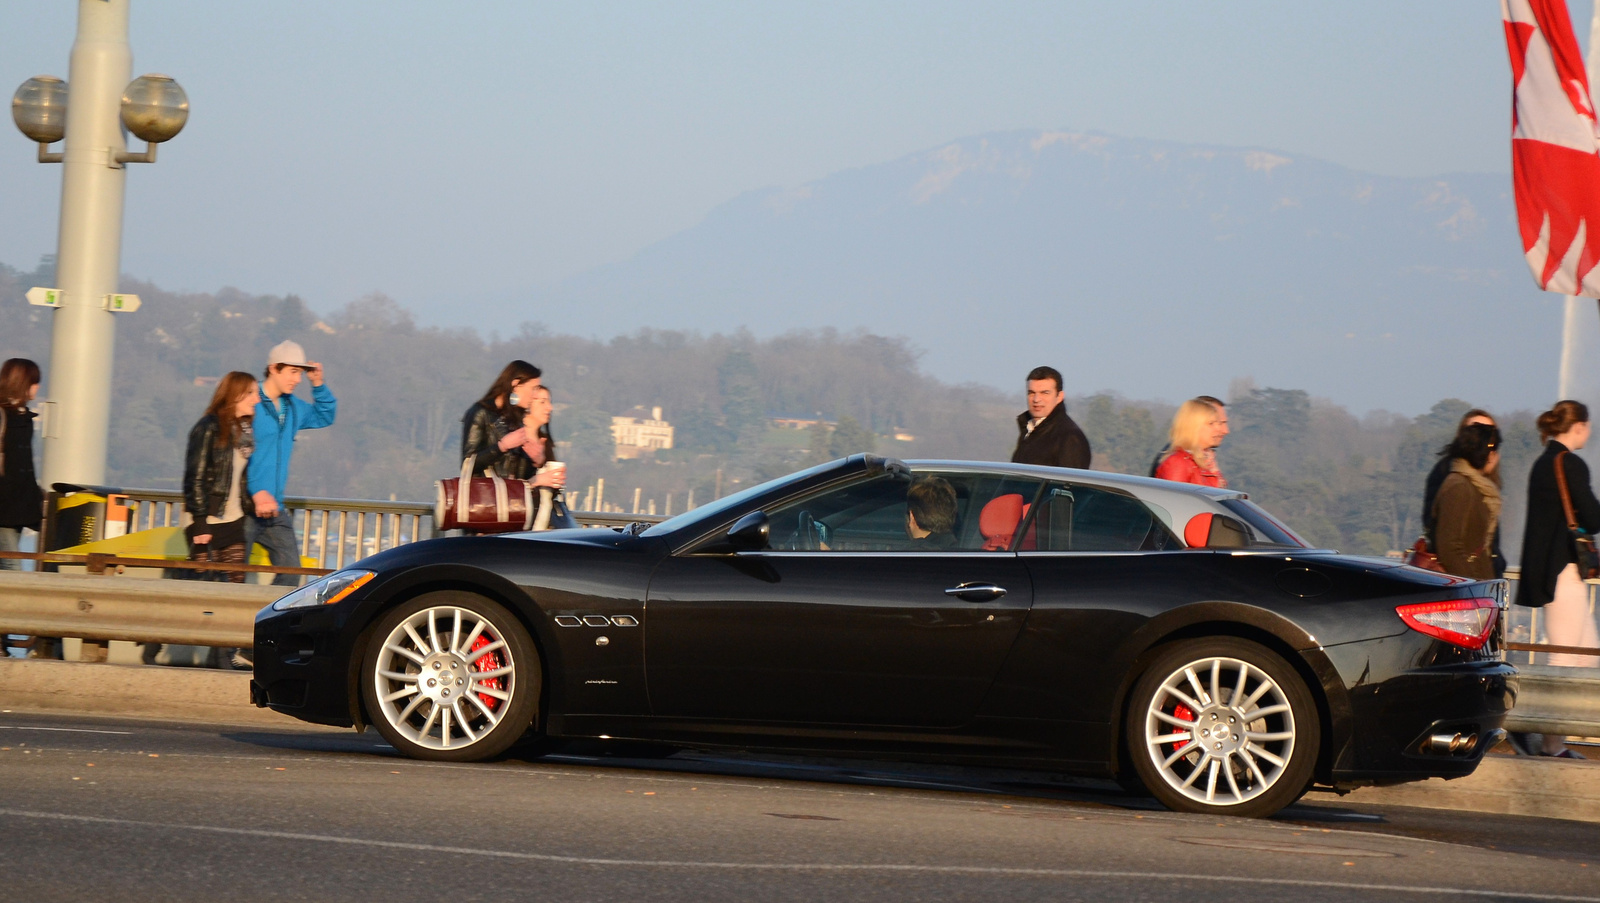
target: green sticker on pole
<point>122,303</point>
<point>45,297</point>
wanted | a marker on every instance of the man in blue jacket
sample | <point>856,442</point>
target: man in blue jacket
<point>279,415</point>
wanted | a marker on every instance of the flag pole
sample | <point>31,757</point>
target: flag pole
<point>1572,323</point>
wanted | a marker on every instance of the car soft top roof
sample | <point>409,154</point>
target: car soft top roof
<point>1133,484</point>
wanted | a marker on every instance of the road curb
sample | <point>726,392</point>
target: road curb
<point>132,691</point>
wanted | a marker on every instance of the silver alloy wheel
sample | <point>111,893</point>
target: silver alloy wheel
<point>1220,731</point>
<point>444,677</point>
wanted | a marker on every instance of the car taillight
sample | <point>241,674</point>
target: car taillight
<point>1464,622</point>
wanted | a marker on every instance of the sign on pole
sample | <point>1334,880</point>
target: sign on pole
<point>45,297</point>
<point>122,303</point>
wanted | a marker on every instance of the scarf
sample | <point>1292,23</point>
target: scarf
<point>1488,488</point>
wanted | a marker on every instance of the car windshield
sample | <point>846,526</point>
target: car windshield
<point>714,511</point>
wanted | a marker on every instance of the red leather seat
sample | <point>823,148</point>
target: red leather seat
<point>998,521</point>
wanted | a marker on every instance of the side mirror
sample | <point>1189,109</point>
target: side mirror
<point>750,533</point>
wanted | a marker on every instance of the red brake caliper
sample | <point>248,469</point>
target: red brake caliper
<point>1182,713</point>
<point>491,662</point>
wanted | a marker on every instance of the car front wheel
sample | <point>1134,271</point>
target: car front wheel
<point>1223,726</point>
<point>450,676</point>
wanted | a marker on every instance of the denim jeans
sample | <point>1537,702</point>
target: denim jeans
<point>276,535</point>
<point>10,540</point>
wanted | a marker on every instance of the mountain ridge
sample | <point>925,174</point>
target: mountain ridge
<point>1128,263</point>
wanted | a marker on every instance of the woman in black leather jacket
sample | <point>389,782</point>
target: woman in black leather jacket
<point>213,474</point>
<point>485,426</point>
<point>21,500</point>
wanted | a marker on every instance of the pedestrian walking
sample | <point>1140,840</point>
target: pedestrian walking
<point>1441,469</point>
<point>279,415</point>
<point>1045,434</point>
<point>1559,484</point>
<point>1466,509</point>
<point>21,499</point>
<point>485,426</point>
<point>1221,427</point>
<point>1192,442</point>
<point>214,464</point>
<point>532,454</point>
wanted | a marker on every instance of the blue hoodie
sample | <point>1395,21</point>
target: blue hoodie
<point>275,426</point>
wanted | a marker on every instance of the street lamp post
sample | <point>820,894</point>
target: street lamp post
<point>89,112</point>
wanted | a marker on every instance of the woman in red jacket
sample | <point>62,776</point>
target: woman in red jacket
<point>1197,430</point>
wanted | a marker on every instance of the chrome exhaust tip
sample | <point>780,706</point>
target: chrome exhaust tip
<point>1445,744</point>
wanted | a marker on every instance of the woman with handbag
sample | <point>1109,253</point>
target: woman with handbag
<point>1466,508</point>
<point>1557,552</point>
<point>1423,553</point>
<point>485,425</point>
<point>518,491</point>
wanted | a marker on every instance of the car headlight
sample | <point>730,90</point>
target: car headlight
<point>328,590</point>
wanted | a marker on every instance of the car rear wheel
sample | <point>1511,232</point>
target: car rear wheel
<point>450,676</point>
<point>1223,726</point>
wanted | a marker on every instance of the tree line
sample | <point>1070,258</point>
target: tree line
<point>1348,482</point>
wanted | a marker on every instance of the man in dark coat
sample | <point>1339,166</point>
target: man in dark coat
<point>1045,434</point>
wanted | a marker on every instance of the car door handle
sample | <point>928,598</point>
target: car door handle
<point>976,592</point>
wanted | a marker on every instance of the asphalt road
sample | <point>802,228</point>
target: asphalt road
<point>130,810</point>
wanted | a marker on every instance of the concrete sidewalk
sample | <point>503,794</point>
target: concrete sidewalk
<point>131,691</point>
<point>1551,788</point>
<point>1508,785</point>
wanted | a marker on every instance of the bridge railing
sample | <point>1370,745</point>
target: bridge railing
<point>336,531</point>
<point>1527,641</point>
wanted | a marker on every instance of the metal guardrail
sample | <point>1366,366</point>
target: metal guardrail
<point>98,609</point>
<point>1557,700</point>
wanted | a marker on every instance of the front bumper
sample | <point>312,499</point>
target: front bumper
<point>301,667</point>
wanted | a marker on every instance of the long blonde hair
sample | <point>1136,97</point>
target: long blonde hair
<point>1189,426</point>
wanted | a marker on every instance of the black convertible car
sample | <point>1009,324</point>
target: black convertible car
<point>1168,635</point>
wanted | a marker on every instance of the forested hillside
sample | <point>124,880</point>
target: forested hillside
<point>1345,481</point>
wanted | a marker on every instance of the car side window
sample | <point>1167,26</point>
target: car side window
<point>949,511</point>
<point>1078,518</point>
<point>863,516</point>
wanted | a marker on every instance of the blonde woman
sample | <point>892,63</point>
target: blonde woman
<point>1197,430</point>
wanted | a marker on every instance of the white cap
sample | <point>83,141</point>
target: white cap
<point>287,353</point>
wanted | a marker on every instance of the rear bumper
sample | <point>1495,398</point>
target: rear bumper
<point>1409,696</point>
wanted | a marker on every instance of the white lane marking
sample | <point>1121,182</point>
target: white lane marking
<point>62,730</point>
<point>841,867</point>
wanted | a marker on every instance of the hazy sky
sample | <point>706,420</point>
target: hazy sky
<point>439,151</point>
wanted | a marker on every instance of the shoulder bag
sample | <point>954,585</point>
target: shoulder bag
<point>486,504</point>
<point>1583,549</point>
<point>1420,556</point>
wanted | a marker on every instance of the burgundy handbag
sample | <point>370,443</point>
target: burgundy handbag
<point>1420,557</point>
<point>487,504</point>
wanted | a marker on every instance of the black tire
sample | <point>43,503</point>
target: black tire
<point>488,714</point>
<point>1275,721</point>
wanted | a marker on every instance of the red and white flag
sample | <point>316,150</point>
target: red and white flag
<point>1555,151</point>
